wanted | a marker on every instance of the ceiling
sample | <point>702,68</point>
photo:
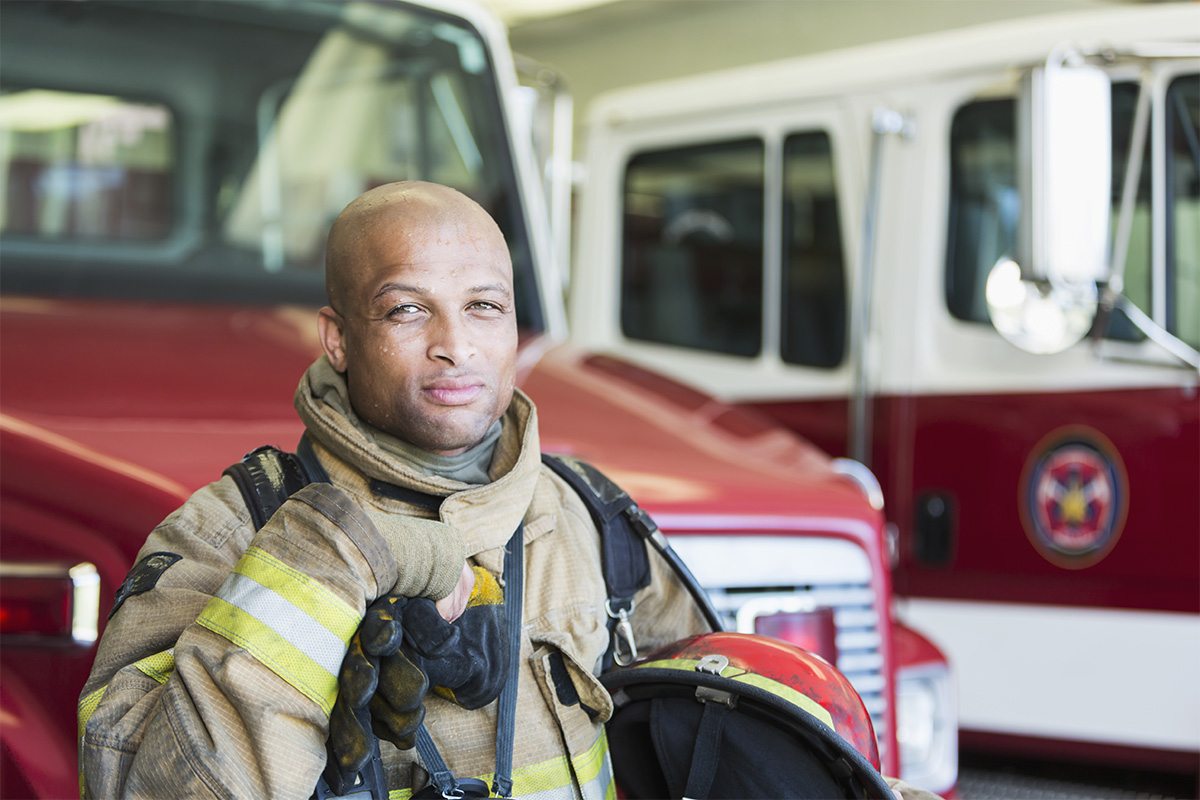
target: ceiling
<point>515,12</point>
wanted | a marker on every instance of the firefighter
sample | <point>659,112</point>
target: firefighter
<point>219,669</point>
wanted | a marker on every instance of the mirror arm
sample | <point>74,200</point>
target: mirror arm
<point>1133,173</point>
<point>1155,333</point>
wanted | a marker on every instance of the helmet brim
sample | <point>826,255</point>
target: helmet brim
<point>859,776</point>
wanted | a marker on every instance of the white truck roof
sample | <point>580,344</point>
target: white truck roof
<point>876,66</point>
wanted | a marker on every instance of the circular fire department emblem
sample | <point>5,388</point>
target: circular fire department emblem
<point>1075,496</point>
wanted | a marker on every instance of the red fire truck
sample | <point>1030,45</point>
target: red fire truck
<point>169,172</point>
<point>853,242</point>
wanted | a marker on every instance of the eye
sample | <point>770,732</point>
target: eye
<point>485,305</point>
<point>403,310</point>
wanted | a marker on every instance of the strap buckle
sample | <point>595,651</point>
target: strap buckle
<point>625,650</point>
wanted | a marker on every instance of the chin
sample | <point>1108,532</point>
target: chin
<point>450,436</point>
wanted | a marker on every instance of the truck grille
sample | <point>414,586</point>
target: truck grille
<point>823,572</point>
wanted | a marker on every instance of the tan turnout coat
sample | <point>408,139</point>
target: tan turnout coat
<point>218,680</point>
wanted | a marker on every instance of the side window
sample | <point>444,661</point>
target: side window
<point>85,167</point>
<point>814,278</point>
<point>1183,202</point>
<point>985,206</point>
<point>692,258</point>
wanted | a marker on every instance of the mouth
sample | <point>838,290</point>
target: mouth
<point>453,391</point>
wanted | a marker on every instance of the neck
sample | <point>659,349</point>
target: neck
<point>469,466</point>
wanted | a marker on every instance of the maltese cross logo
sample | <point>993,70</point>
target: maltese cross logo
<point>1074,502</point>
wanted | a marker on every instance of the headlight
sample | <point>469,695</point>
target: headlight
<point>925,727</point>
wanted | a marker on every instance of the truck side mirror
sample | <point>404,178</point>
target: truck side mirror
<point>1046,300</point>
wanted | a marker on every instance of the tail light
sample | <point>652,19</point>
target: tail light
<point>794,620</point>
<point>49,602</point>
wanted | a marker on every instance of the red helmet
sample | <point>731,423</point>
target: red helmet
<point>738,715</point>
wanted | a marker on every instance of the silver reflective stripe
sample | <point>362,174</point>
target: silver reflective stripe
<point>598,788</point>
<point>289,622</point>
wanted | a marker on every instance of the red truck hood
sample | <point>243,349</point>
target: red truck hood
<point>180,391</point>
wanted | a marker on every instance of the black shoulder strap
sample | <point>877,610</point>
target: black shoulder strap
<point>268,476</point>
<point>623,527</point>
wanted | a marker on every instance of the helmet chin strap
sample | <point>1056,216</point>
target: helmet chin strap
<point>707,752</point>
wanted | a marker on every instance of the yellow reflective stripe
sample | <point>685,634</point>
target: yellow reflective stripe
<point>326,607</point>
<point>791,695</point>
<point>545,776</point>
<point>87,707</point>
<point>732,673</point>
<point>588,765</point>
<point>158,666</point>
<point>273,650</point>
<point>554,775</point>
<point>593,770</point>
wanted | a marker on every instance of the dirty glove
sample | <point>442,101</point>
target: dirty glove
<point>379,689</point>
<point>467,660</point>
<point>397,708</point>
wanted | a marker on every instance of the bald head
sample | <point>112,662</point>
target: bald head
<point>421,318</point>
<point>412,211</point>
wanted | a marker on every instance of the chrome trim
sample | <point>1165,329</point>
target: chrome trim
<point>33,569</point>
<point>885,122</point>
<point>85,603</point>
<point>861,474</point>
<point>766,605</point>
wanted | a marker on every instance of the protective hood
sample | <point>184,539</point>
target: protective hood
<point>484,516</point>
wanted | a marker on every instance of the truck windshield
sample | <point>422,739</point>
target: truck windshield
<point>200,150</point>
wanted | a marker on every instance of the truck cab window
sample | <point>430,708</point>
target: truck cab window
<point>85,166</point>
<point>814,278</point>
<point>985,207</point>
<point>692,257</point>
<point>214,171</point>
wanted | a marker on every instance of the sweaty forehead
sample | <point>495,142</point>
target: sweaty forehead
<point>405,224</point>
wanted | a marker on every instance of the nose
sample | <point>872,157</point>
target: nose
<point>451,341</point>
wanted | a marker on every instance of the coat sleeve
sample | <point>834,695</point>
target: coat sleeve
<point>216,674</point>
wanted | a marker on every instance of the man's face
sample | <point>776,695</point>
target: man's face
<point>427,336</point>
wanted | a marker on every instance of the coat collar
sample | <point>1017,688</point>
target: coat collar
<point>485,515</point>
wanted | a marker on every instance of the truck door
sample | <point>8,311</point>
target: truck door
<point>1055,503</point>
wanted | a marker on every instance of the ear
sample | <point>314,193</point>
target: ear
<point>333,339</point>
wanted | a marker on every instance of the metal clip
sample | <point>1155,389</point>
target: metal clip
<point>712,664</point>
<point>625,650</point>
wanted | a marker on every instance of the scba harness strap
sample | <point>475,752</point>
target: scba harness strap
<point>268,476</point>
<point>624,529</point>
